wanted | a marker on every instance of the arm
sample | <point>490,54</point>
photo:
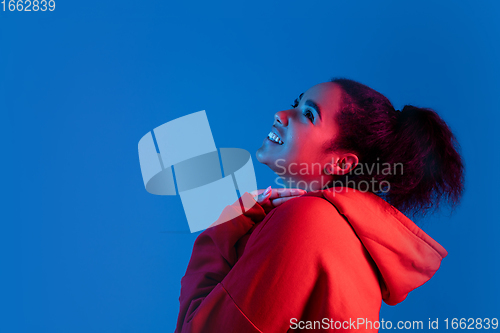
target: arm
<point>214,254</point>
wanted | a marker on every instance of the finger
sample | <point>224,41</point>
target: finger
<point>280,201</point>
<point>257,192</point>
<point>286,192</point>
<point>264,195</point>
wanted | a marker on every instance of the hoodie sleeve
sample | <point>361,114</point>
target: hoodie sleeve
<point>283,274</point>
<point>214,254</point>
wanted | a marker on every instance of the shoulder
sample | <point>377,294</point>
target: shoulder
<point>302,229</point>
<point>306,216</point>
<point>307,207</point>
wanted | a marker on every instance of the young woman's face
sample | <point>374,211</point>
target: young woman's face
<point>297,149</point>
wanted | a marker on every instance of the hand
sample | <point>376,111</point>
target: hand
<point>272,198</point>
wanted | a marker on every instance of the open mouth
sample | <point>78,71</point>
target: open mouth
<point>274,138</point>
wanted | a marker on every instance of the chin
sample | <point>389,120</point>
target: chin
<point>261,156</point>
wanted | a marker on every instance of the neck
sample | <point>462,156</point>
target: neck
<point>320,183</point>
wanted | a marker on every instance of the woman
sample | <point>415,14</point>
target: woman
<point>326,260</point>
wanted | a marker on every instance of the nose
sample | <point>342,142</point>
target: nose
<point>281,118</point>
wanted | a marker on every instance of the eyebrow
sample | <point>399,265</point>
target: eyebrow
<point>314,106</point>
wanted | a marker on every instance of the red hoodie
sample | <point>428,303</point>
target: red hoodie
<point>323,261</point>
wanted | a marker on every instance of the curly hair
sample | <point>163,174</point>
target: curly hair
<point>417,139</point>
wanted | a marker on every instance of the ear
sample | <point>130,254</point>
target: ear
<point>343,164</point>
<point>347,163</point>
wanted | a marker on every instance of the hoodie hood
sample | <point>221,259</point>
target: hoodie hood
<point>405,255</point>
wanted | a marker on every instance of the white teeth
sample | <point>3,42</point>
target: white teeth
<point>275,138</point>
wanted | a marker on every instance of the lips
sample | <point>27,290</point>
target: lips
<point>273,136</point>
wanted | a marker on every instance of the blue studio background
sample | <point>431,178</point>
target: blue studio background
<point>84,247</point>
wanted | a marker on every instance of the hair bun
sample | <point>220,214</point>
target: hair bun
<point>409,112</point>
<point>410,109</point>
<point>407,108</point>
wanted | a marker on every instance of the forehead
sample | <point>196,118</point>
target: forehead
<point>328,95</point>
